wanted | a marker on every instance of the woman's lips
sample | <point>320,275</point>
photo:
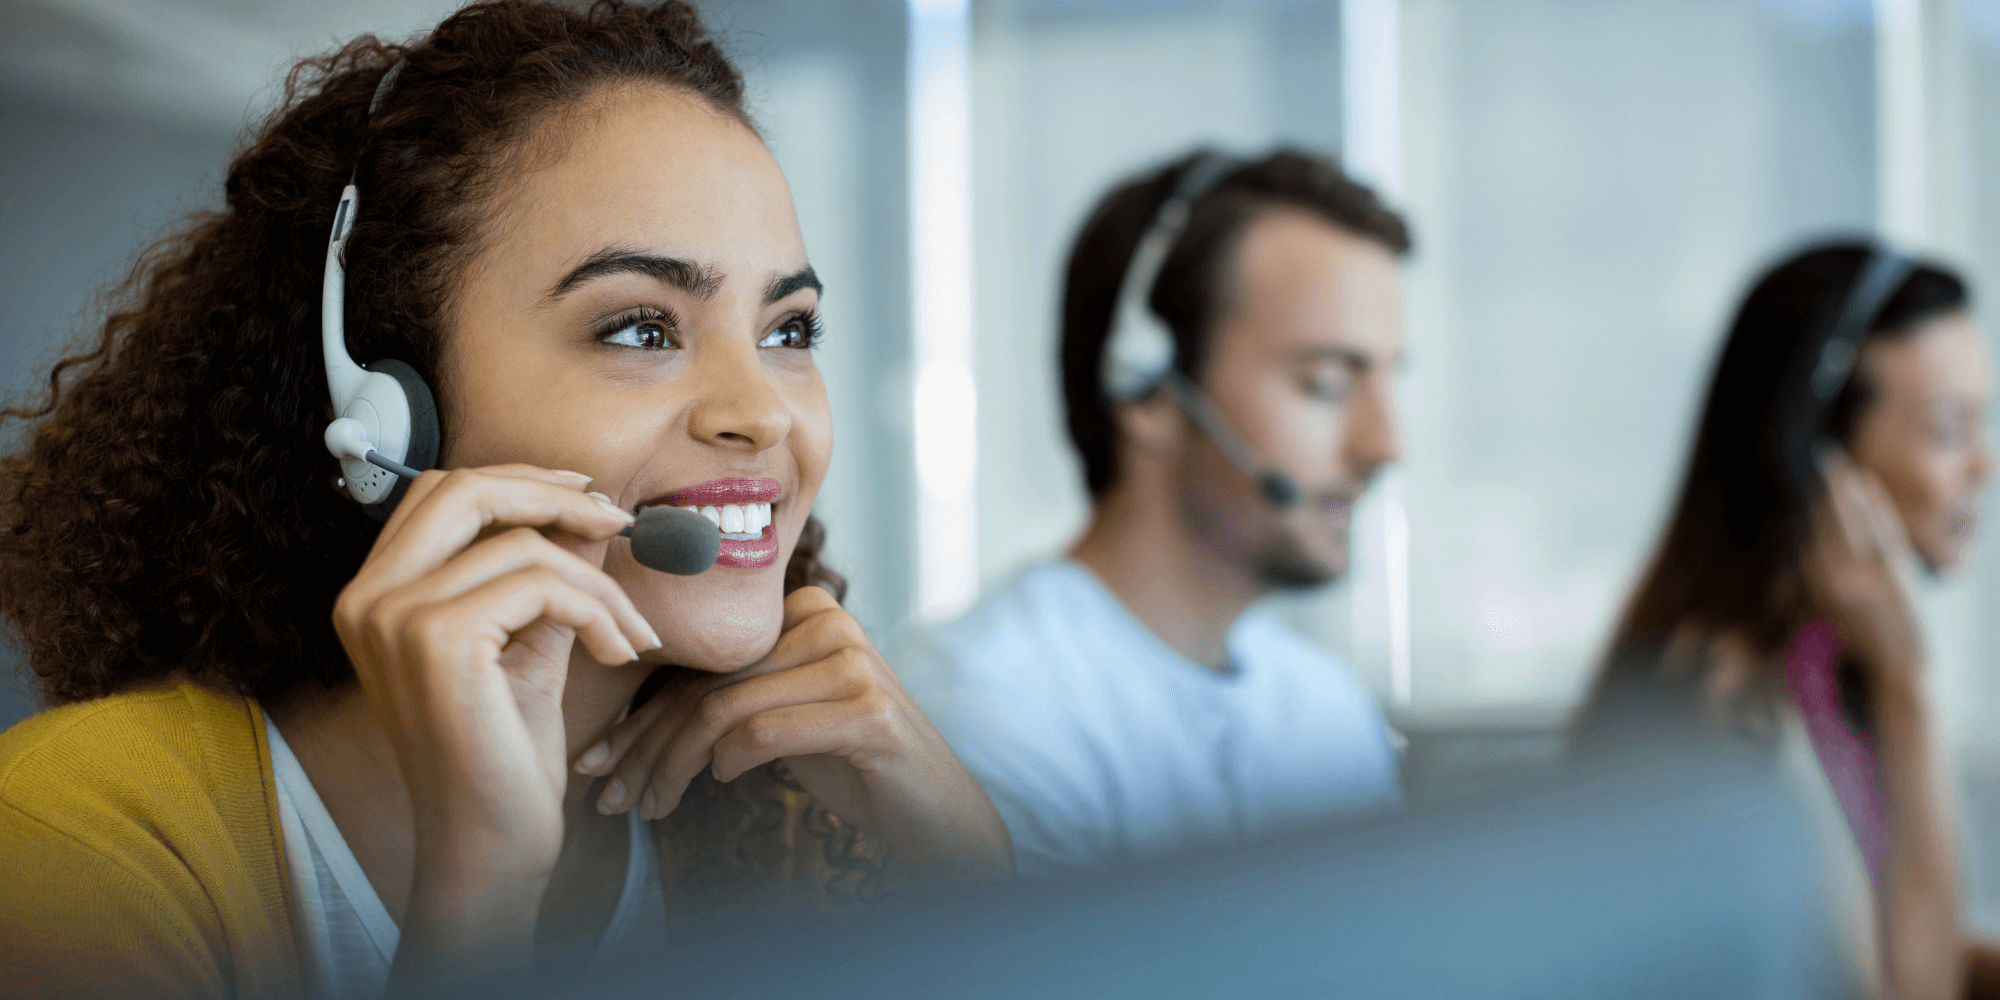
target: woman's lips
<point>752,553</point>
<point>739,507</point>
<point>720,492</point>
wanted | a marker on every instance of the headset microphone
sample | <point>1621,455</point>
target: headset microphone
<point>1139,356</point>
<point>668,539</point>
<point>674,540</point>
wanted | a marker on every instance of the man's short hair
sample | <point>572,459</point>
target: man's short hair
<point>1190,293</point>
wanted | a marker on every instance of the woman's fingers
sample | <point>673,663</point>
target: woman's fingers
<point>1858,566</point>
<point>607,753</point>
<point>815,626</point>
<point>795,731</point>
<point>423,485</point>
<point>663,761</point>
<point>452,511</point>
<point>495,610</point>
<point>1885,526</point>
<point>643,735</point>
<point>1835,507</point>
<point>522,548</point>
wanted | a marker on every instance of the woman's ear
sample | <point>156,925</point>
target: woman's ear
<point>1151,426</point>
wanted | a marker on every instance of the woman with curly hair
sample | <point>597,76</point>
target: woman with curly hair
<point>292,748</point>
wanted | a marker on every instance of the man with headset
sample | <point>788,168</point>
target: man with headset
<point>1230,333</point>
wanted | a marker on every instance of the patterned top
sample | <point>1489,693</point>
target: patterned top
<point>1845,754</point>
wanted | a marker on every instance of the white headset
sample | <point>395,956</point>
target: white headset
<point>385,430</point>
<point>1139,354</point>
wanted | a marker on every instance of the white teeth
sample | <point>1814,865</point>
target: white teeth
<point>747,520</point>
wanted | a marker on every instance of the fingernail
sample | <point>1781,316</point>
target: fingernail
<point>614,796</point>
<point>593,757</point>
<point>654,636</point>
<point>572,475</point>
<point>605,501</point>
<point>714,771</point>
<point>646,805</point>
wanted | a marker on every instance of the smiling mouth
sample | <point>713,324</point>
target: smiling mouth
<point>742,509</point>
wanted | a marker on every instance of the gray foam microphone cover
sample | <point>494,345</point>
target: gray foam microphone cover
<point>673,540</point>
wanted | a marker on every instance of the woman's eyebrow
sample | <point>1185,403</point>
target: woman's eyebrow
<point>696,279</point>
<point>786,284</point>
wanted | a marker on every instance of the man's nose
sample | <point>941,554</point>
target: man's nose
<point>1373,437</point>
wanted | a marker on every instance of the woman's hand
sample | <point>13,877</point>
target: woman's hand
<point>460,625</point>
<point>1859,567</point>
<point>826,702</point>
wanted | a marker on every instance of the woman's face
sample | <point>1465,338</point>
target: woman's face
<point>1923,432</point>
<point>641,311</point>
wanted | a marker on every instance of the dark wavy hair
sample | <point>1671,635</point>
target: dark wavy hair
<point>173,512</point>
<point>1728,563</point>
<point>1192,291</point>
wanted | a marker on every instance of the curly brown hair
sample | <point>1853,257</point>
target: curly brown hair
<point>172,511</point>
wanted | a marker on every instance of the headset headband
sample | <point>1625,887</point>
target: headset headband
<point>382,89</point>
<point>385,429</point>
<point>1140,351</point>
<point>1884,272</point>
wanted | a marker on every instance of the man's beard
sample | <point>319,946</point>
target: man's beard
<point>1284,563</point>
<point>1276,557</point>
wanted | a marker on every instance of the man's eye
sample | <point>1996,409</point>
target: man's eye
<point>798,332</point>
<point>1331,388</point>
<point>650,334</point>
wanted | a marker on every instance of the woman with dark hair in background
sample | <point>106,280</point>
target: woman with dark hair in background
<point>293,749</point>
<point>1842,441</point>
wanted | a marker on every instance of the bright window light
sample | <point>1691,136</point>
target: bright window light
<point>1371,88</point>
<point>946,411</point>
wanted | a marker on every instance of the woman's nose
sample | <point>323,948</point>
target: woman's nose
<point>736,406</point>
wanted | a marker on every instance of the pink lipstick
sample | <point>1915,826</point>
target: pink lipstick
<point>742,509</point>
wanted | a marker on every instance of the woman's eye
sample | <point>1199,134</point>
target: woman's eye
<point>650,334</point>
<point>798,332</point>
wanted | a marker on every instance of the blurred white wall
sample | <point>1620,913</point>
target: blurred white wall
<point>1595,184</point>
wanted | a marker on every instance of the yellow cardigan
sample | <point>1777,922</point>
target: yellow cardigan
<point>141,852</point>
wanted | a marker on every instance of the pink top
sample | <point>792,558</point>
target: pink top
<point>1847,756</point>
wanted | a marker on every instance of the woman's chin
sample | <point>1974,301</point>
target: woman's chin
<point>724,644</point>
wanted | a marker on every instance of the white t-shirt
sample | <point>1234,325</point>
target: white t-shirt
<point>1100,743</point>
<point>350,939</point>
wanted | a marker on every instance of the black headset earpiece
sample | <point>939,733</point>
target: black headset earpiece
<point>385,428</point>
<point>1882,273</point>
<point>1805,439</point>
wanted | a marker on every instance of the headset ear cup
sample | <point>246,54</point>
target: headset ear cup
<point>424,435</point>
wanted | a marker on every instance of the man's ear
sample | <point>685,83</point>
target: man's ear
<point>1151,426</point>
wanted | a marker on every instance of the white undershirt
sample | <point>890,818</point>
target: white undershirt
<point>348,936</point>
